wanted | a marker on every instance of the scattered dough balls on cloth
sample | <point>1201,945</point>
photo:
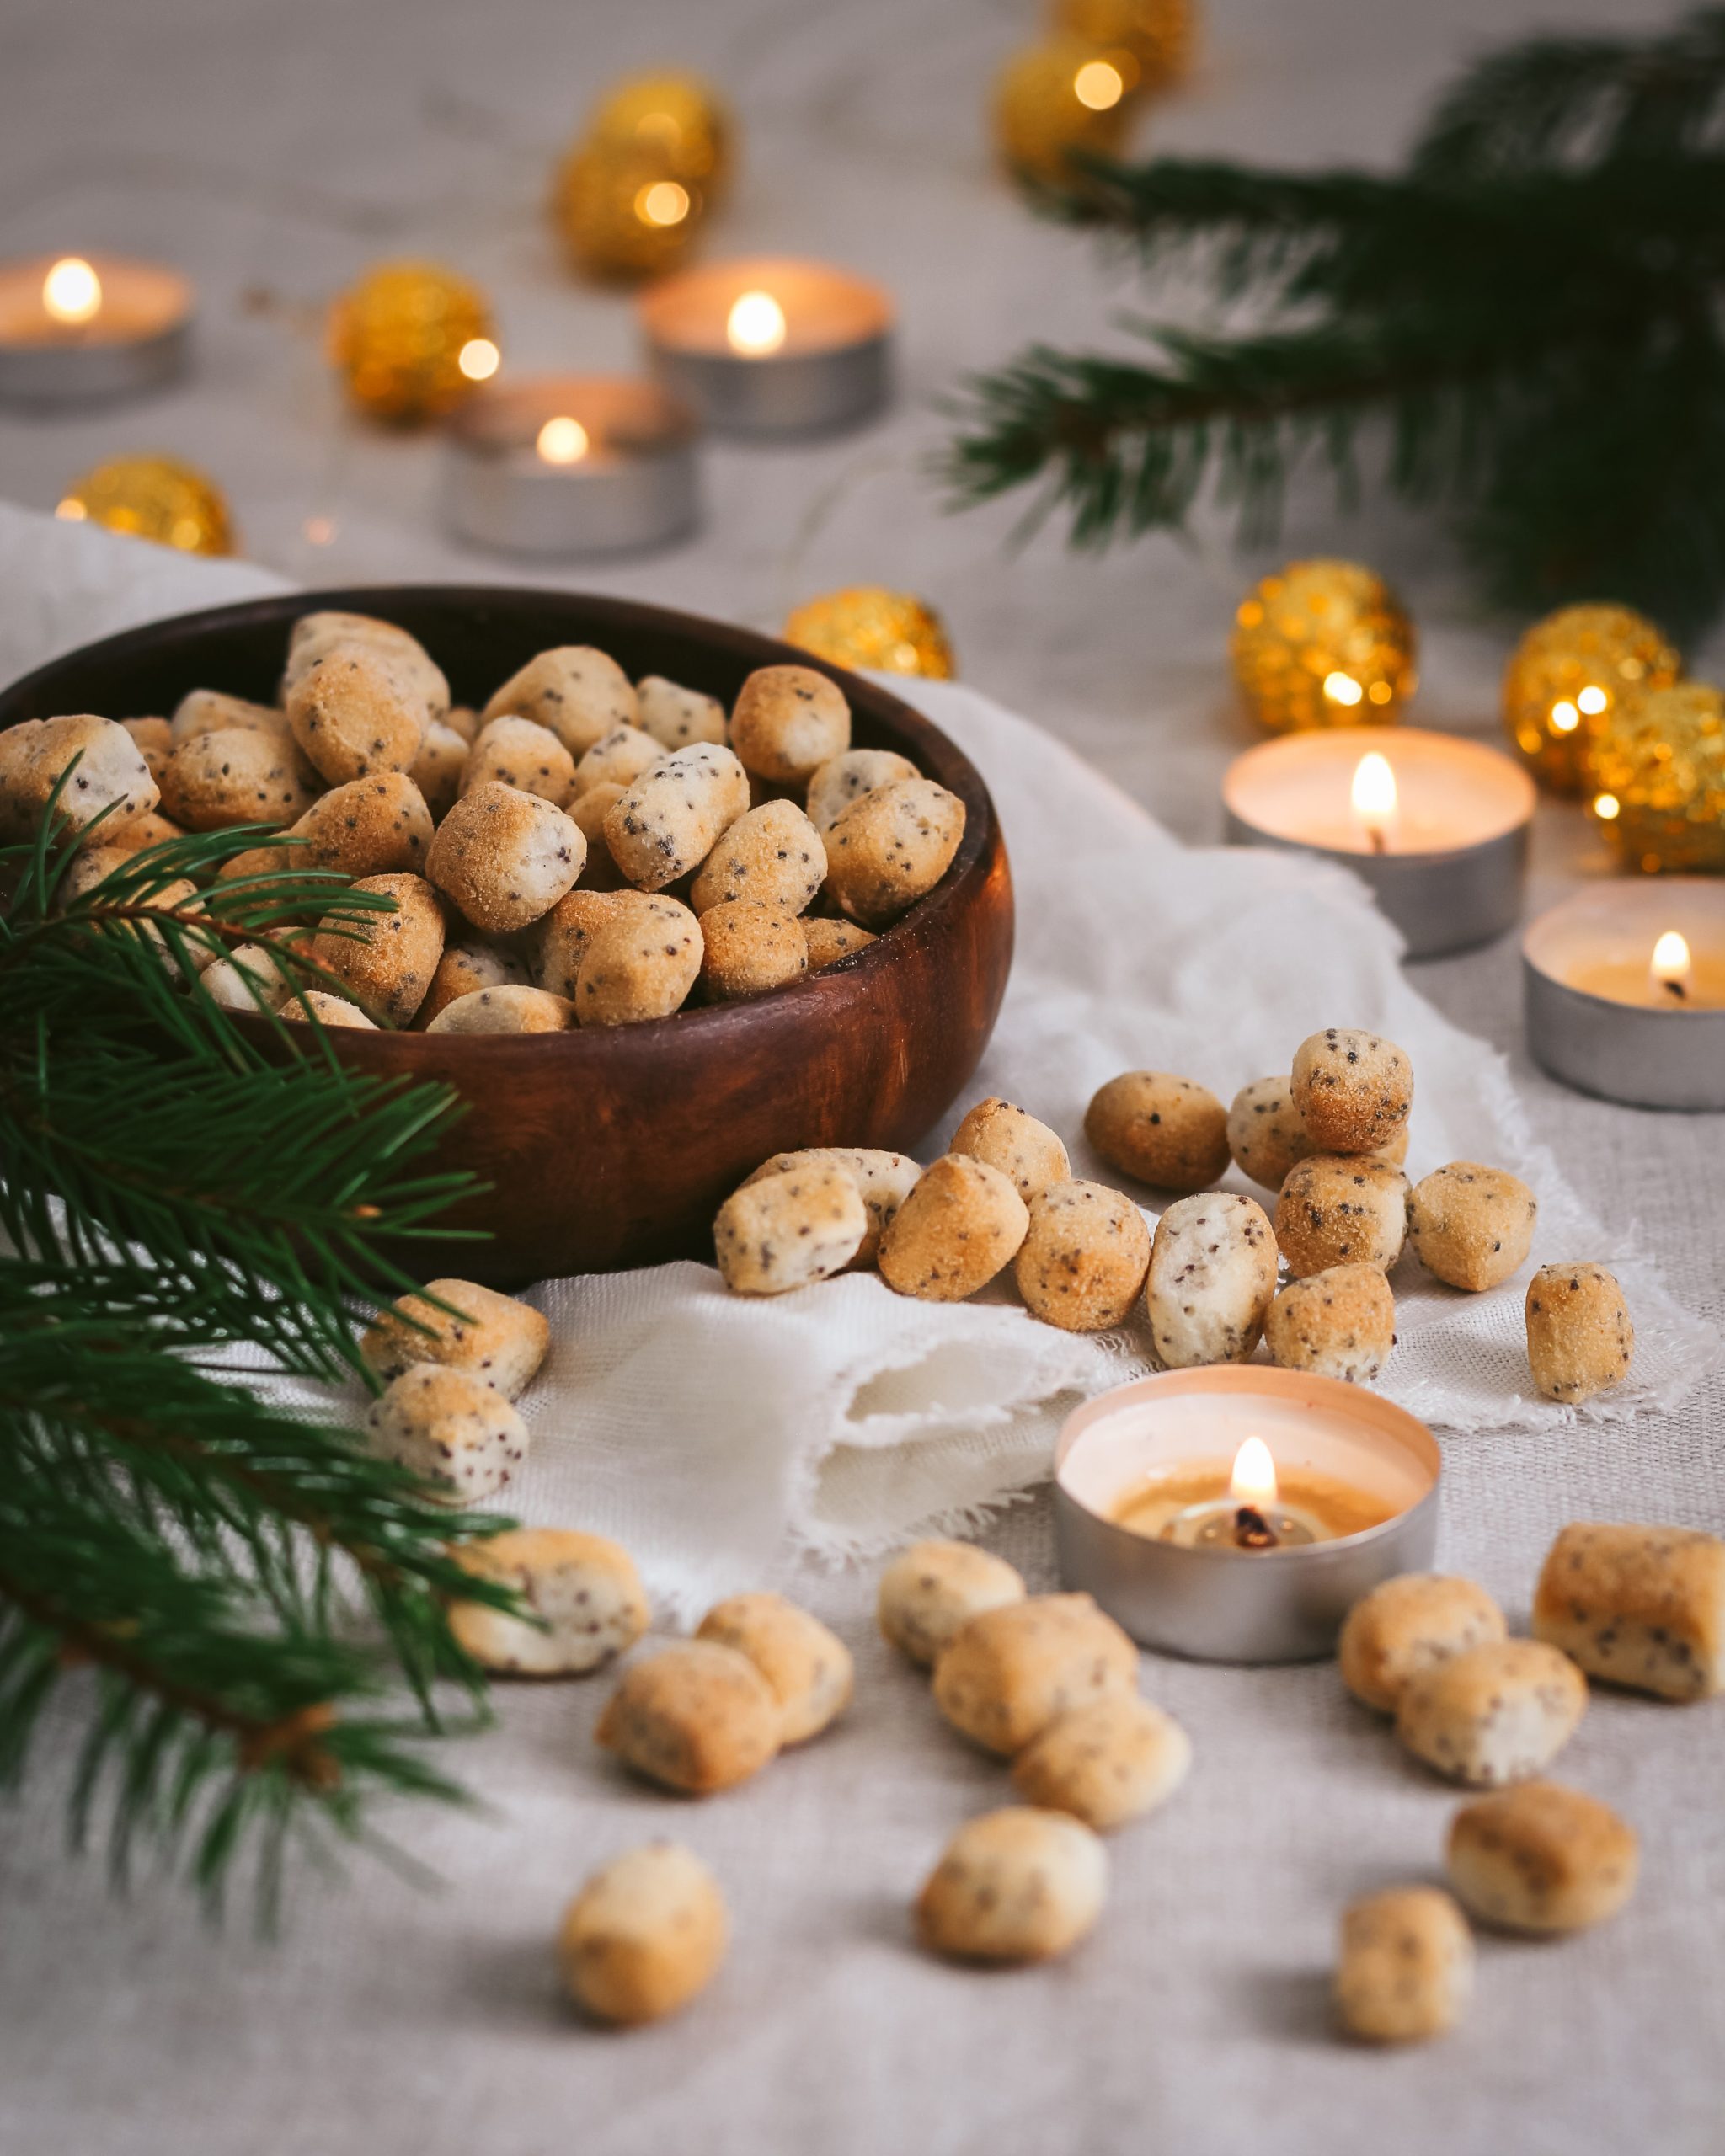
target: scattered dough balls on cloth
<point>251,977</point>
<point>1211,1282</point>
<point>676,717</point>
<point>210,711</point>
<point>1541,1858</point>
<point>1407,1625</point>
<point>314,636</point>
<point>1636,1605</point>
<point>583,1590</point>
<point>1265,1133</point>
<point>1083,1260</point>
<point>213,781</point>
<point>504,857</point>
<point>466,965</point>
<point>617,759</point>
<point>1495,1713</point>
<point>672,817</point>
<point>809,1667</point>
<point>327,1009</point>
<point>646,1934</point>
<point>891,848</point>
<point>353,714</point>
<point>490,1336</point>
<point>842,780</point>
<point>930,1591</point>
<point>111,775</point>
<point>1405,1969</point>
<point>1580,1338</point>
<point>1339,1323</point>
<point>1012,1671</point>
<point>697,1717</point>
<point>1354,1089</point>
<point>1016,1885</point>
<point>451,1429</point>
<point>1024,1150</point>
<point>961,1225</point>
<point>1159,1129</point>
<point>369,827</point>
<point>511,1009</point>
<point>1106,1763</point>
<point>588,812</point>
<point>519,752</point>
<point>154,741</point>
<point>829,940</point>
<point>1471,1227</point>
<point>883,1181</point>
<point>787,721</point>
<point>772,853</point>
<point>640,963</point>
<point>385,961</point>
<point>749,948</point>
<point>580,693</point>
<point>788,1229</point>
<point>437,770</point>
<point>1340,1210</point>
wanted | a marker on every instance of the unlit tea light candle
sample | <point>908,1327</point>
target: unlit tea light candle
<point>1436,825</point>
<point>77,329</point>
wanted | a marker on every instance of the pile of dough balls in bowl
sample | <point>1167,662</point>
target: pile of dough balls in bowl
<point>669,898</point>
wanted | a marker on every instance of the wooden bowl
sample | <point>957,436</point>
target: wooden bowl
<point>614,1148</point>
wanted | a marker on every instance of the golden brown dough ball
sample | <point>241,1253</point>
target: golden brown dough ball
<point>787,721</point>
<point>1160,1129</point>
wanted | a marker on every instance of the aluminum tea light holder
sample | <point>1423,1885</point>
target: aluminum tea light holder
<point>77,329</point>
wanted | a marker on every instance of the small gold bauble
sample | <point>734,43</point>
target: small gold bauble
<point>156,497</point>
<point>1658,769</point>
<point>674,120</point>
<point>621,214</point>
<point>1323,643</point>
<point>1565,678</point>
<point>866,625</point>
<point>1158,33</point>
<point>398,336</point>
<point>1052,99</point>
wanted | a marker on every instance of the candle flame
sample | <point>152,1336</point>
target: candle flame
<point>756,324</point>
<point>1565,717</point>
<point>1373,793</point>
<point>72,291</point>
<point>1254,1481</point>
<point>663,203</point>
<point>479,359</point>
<point>1099,85</point>
<point>1671,964</point>
<point>1342,688</point>
<point>562,440</point>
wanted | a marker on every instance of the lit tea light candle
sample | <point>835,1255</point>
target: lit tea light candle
<point>76,330</point>
<point>771,346</point>
<point>1435,824</point>
<point>571,465</point>
<point>1624,991</point>
<point>1237,1513</point>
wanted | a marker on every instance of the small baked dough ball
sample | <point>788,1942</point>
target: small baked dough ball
<point>1406,1971</point>
<point>1580,1338</point>
<point>931,1591</point>
<point>1640,1606</point>
<point>1105,1763</point>
<point>787,721</point>
<point>369,827</point>
<point>1338,1210</point>
<point>559,943</point>
<point>672,817</point>
<point>353,713</point>
<point>640,963</point>
<point>617,759</point>
<point>1084,1257</point>
<point>843,780</point>
<point>588,812</point>
<point>891,848</point>
<point>1543,1858</point>
<point>1023,1150</point>
<point>386,962</point>
<point>961,1225</point>
<point>504,857</point>
<point>1011,1672</point>
<point>154,738</point>
<point>1017,1885</point>
<point>490,1336</point>
<point>749,948</point>
<point>1354,1089</point>
<point>645,1934</point>
<point>583,1590</point>
<point>250,978</point>
<point>210,711</point>
<point>437,770</point>
<point>788,1229</point>
<point>1159,1129</point>
<point>809,1667</point>
<point>1496,1713</point>
<point>464,967</point>
<point>214,780</point>
<point>830,940</point>
<point>1407,1625</point>
<point>1339,1323</point>
<point>111,775</point>
<point>519,753</point>
<point>456,1433</point>
<point>773,854</point>
<point>697,1716</point>
<point>1212,1280</point>
<point>676,717</point>
<point>1265,1134</point>
<point>316,635</point>
<point>1471,1227</point>
<point>883,1181</point>
<point>580,693</point>
<point>318,1005</point>
<point>510,1009</point>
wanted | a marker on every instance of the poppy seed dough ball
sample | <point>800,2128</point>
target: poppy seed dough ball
<point>749,948</point>
<point>519,753</point>
<point>580,693</point>
<point>641,957</point>
<point>787,721</point>
<point>213,781</point>
<point>353,714</point>
<point>385,962</point>
<point>891,848</point>
<point>1354,1089</point>
<point>1160,1129</point>
<point>111,774</point>
<point>504,857</point>
<point>672,817</point>
<point>772,853</point>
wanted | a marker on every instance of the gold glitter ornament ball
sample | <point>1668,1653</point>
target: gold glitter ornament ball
<point>1052,99</point>
<point>866,625</point>
<point>1323,643</point>
<point>621,214</point>
<point>398,336</point>
<point>1158,33</point>
<point>1658,772</point>
<point>156,497</point>
<point>1565,678</point>
<point>673,121</point>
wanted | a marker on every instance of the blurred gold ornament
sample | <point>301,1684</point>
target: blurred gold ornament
<point>1158,33</point>
<point>155,498</point>
<point>1658,769</point>
<point>1052,99</point>
<point>1323,643</point>
<point>398,338</point>
<point>866,625</point>
<point>675,122</point>
<point>622,214</point>
<point>1565,679</point>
